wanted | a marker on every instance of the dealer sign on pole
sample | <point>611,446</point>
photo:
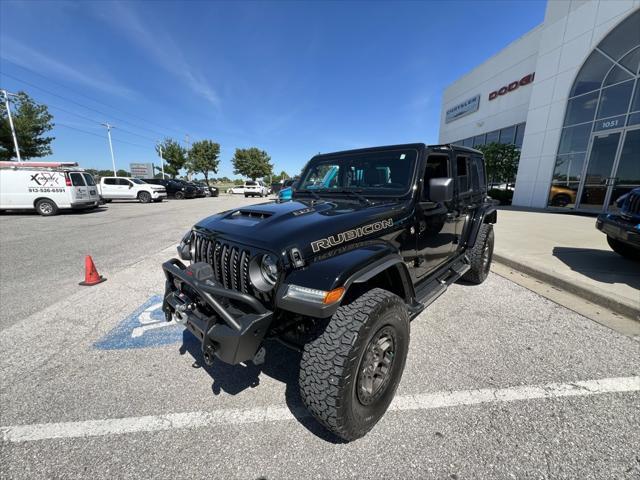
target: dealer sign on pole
<point>141,170</point>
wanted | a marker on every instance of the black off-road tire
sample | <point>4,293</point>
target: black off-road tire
<point>179,196</point>
<point>144,197</point>
<point>46,207</point>
<point>481,255</point>
<point>621,248</point>
<point>332,378</point>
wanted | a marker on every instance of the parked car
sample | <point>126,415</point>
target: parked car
<point>255,188</point>
<point>237,189</point>
<point>560,196</point>
<point>214,192</point>
<point>622,228</point>
<point>124,188</point>
<point>338,272</point>
<point>174,188</point>
<point>46,187</point>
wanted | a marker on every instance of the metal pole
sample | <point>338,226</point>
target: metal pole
<point>113,160</point>
<point>161,160</point>
<point>13,130</point>
<point>188,142</point>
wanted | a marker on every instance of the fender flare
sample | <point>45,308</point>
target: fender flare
<point>485,214</point>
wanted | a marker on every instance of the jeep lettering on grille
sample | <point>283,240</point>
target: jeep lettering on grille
<point>349,235</point>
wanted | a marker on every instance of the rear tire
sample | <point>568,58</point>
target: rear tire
<point>46,207</point>
<point>179,196</point>
<point>621,248</point>
<point>480,255</point>
<point>144,197</point>
<point>349,372</point>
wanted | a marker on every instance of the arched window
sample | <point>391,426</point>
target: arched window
<point>605,96</point>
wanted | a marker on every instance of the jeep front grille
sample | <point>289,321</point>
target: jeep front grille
<point>632,206</point>
<point>230,264</point>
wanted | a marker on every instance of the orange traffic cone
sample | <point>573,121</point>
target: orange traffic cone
<point>91,275</point>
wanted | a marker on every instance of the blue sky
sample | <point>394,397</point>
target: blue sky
<point>292,78</point>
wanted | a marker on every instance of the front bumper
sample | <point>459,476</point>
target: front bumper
<point>155,194</point>
<point>617,227</point>
<point>231,325</point>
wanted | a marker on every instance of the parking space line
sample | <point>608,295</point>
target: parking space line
<point>427,401</point>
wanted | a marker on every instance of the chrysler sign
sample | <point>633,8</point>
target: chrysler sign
<point>465,108</point>
<point>526,80</point>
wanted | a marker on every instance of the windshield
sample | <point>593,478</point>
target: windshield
<point>137,180</point>
<point>373,173</point>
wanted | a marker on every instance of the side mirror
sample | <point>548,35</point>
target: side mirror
<point>441,189</point>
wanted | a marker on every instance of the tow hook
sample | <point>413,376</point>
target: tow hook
<point>181,313</point>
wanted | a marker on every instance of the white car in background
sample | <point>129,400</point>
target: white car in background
<point>46,187</point>
<point>123,188</point>
<point>255,188</point>
<point>238,189</point>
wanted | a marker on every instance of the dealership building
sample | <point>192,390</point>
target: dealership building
<point>567,93</point>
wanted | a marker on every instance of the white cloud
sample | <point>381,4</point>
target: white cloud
<point>164,50</point>
<point>27,57</point>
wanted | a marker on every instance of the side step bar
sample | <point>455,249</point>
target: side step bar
<point>430,290</point>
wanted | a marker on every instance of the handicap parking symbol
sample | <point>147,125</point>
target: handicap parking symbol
<point>144,328</point>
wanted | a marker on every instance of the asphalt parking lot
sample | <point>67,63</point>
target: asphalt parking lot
<point>499,383</point>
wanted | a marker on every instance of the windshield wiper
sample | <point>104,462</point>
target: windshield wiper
<point>348,191</point>
<point>311,192</point>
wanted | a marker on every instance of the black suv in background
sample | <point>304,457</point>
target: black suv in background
<point>175,188</point>
<point>622,228</point>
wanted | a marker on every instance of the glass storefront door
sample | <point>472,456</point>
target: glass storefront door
<point>613,169</point>
<point>627,174</point>
<point>598,174</point>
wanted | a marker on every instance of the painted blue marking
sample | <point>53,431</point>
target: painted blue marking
<point>144,328</point>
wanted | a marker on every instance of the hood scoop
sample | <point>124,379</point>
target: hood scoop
<point>247,217</point>
<point>251,214</point>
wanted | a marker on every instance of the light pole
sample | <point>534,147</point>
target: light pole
<point>113,160</point>
<point>13,130</point>
<point>161,159</point>
<point>188,142</point>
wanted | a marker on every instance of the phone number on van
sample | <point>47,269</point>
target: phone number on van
<point>45,190</point>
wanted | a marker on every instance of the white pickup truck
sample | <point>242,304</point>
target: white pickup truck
<point>123,188</point>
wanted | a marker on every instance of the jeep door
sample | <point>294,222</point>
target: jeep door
<point>435,221</point>
<point>469,187</point>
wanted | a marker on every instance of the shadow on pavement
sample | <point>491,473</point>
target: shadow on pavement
<point>600,265</point>
<point>281,363</point>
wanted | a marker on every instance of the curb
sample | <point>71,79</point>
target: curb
<point>572,286</point>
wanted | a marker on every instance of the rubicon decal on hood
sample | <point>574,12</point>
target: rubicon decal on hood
<point>349,235</point>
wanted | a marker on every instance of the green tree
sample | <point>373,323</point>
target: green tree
<point>204,158</point>
<point>501,160</point>
<point>175,156</point>
<point>251,163</point>
<point>31,121</point>
<point>122,173</point>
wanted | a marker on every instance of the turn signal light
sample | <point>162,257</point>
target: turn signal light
<point>333,296</point>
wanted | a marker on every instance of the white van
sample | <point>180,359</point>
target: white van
<point>46,187</point>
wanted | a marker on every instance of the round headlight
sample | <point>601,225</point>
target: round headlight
<point>269,269</point>
<point>263,272</point>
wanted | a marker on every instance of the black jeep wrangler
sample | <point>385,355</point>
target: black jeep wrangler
<point>369,239</point>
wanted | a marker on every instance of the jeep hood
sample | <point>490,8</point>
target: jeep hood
<point>280,226</point>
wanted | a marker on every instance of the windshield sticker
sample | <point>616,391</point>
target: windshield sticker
<point>349,235</point>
